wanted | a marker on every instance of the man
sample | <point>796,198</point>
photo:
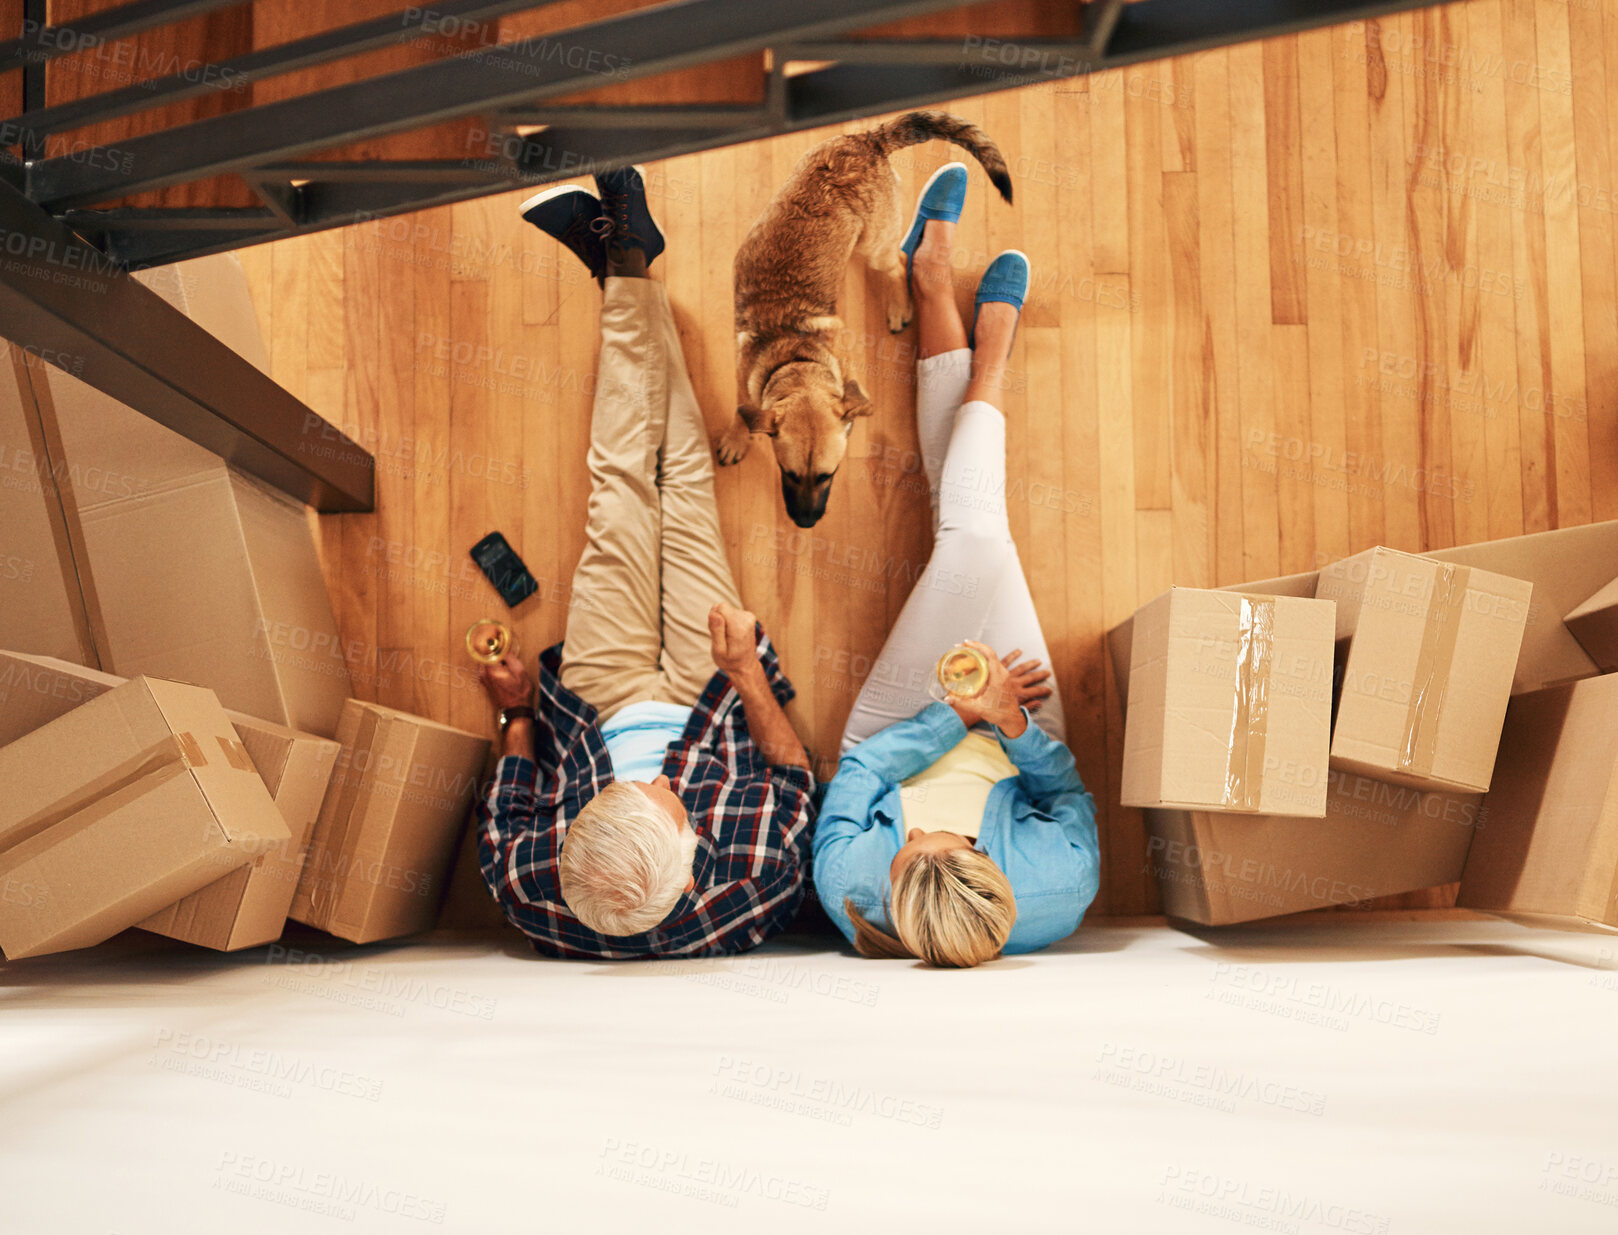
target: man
<point>653,800</point>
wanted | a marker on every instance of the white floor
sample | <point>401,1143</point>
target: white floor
<point>1353,1078</point>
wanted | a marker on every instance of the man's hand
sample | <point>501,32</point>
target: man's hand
<point>735,651</point>
<point>1009,688</point>
<point>508,683</point>
<point>735,645</point>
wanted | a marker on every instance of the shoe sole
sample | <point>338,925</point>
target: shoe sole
<point>540,198</point>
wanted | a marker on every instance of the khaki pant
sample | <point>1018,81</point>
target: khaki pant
<point>654,562</point>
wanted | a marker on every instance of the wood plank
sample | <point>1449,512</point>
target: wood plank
<point>1150,279</point>
<point>1282,121</point>
<point>1564,270</point>
<point>1325,441</point>
<point>1261,551</point>
<point>1361,270</point>
<point>1217,282</point>
<point>1532,321</point>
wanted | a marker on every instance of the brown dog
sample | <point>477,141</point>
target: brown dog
<point>842,199</point>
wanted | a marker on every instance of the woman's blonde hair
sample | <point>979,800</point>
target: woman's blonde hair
<point>953,909</point>
<point>624,864</point>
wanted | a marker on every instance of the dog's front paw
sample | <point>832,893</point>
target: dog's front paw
<point>731,447</point>
<point>899,312</point>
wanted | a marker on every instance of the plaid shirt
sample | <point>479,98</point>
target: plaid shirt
<point>752,823</point>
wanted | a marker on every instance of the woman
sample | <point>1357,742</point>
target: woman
<point>954,832</point>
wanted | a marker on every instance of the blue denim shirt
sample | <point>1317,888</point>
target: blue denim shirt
<point>1039,827</point>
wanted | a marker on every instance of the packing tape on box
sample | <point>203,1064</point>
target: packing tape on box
<point>166,753</point>
<point>236,754</point>
<point>1249,723</point>
<point>1434,664</point>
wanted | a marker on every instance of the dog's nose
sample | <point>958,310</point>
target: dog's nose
<point>806,518</point>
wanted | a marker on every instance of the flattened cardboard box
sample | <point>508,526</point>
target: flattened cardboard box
<point>1427,651</point>
<point>235,600</point>
<point>1547,845</point>
<point>125,804</point>
<point>1229,703</point>
<point>1566,567</point>
<point>1376,839</point>
<point>389,824</point>
<point>249,906</point>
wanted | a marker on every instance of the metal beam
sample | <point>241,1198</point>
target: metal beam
<point>583,139</point>
<point>40,42</point>
<point>1154,29</point>
<point>289,57</point>
<point>35,16</point>
<point>636,44</point>
<point>928,51</point>
<point>649,116</point>
<point>59,296</point>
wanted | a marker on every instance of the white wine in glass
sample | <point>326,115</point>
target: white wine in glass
<point>488,640</point>
<point>963,672</point>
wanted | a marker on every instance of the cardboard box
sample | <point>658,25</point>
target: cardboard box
<point>249,906</point>
<point>125,804</point>
<point>1565,567</point>
<point>235,599</point>
<point>42,605</point>
<point>1595,625</point>
<point>1547,845</point>
<point>1427,652</point>
<point>1229,703</point>
<point>35,690</point>
<point>1376,839</point>
<point>389,824</point>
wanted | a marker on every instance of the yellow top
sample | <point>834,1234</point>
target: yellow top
<point>952,795</point>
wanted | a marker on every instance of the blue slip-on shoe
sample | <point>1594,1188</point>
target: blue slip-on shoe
<point>942,197</point>
<point>1005,281</point>
<point>623,202</point>
<point>573,216</point>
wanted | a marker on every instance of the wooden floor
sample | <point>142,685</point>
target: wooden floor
<point>1292,299</point>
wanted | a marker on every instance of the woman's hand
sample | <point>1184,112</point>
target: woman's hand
<point>1027,680</point>
<point>1010,687</point>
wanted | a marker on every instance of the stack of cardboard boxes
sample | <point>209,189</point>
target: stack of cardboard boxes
<point>175,732</point>
<point>1408,741</point>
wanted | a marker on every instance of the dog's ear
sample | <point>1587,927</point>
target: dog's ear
<point>757,420</point>
<point>855,404</point>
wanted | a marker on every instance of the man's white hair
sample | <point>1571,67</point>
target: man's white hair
<point>624,864</point>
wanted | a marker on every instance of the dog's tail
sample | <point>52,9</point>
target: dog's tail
<point>913,128</point>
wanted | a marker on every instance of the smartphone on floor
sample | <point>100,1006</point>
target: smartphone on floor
<point>502,567</point>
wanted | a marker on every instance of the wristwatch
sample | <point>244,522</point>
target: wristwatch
<point>507,715</point>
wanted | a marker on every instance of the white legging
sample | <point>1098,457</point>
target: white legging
<point>973,587</point>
